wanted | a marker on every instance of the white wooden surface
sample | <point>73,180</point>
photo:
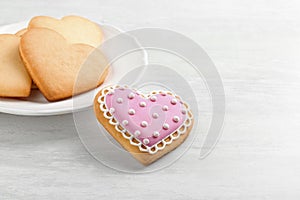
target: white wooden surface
<point>255,46</point>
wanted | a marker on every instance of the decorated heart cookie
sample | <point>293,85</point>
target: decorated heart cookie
<point>148,126</point>
<point>74,29</point>
<point>54,64</point>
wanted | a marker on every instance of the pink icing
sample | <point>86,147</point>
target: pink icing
<point>149,116</point>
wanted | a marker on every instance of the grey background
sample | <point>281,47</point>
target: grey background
<point>255,46</point>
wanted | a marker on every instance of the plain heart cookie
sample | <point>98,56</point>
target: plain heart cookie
<point>74,29</point>
<point>21,32</point>
<point>54,64</point>
<point>147,126</point>
<point>14,79</point>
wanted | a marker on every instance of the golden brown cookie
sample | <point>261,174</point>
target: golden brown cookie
<point>75,29</point>
<point>147,126</point>
<point>54,64</point>
<point>21,32</point>
<point>14,79</point>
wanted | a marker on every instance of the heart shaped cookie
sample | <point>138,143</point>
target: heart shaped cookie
<point>21,32</point>
<point>54,64</point>
<point>14,79</point>
<point>148,126</point>
<point>74,29</point>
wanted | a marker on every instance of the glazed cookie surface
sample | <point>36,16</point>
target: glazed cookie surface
<point>148,126</point>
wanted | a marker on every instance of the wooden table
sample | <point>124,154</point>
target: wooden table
<point>255,46</point>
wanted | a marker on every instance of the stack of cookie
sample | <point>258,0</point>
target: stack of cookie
<point>50,54</point>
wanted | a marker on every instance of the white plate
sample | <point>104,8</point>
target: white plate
<point>37,105</point>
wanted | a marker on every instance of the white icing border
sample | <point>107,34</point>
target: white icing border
<point>134,141</point>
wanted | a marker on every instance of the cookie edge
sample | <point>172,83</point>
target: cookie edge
<point>143,157</point>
